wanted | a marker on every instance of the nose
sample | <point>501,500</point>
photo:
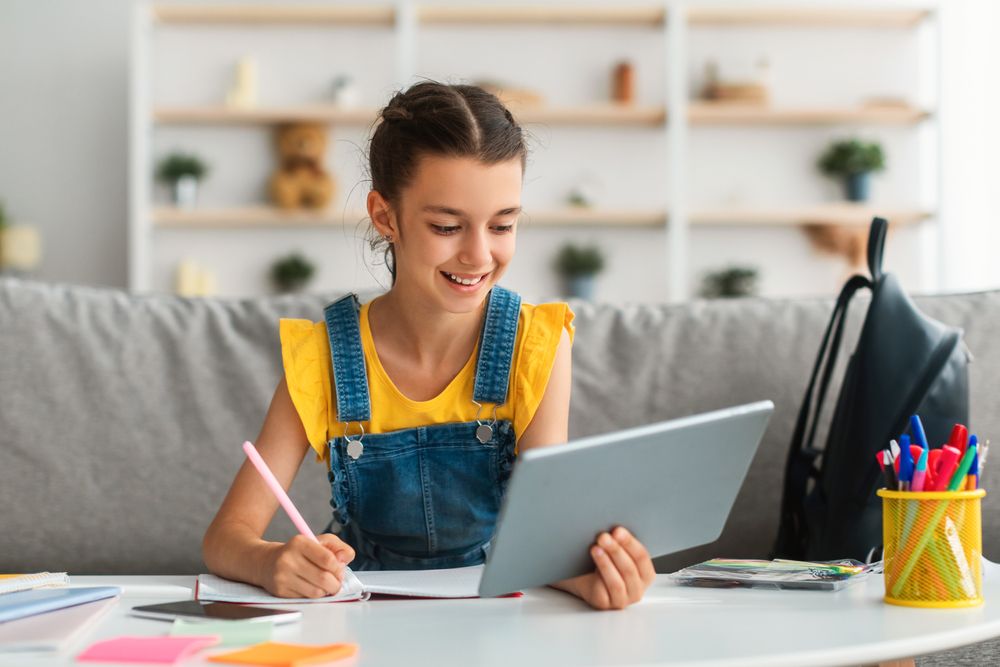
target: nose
<point>475,251</point>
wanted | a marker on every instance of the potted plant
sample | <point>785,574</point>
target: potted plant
<point>182,172</point>
<point>734,281</point>
<point>852,160</point>
<point>292,273</point>
<point>577,265</point>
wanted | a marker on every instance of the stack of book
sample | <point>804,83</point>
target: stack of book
<point>43,612</point>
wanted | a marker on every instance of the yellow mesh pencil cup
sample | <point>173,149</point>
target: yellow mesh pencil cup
<point>933,547</point>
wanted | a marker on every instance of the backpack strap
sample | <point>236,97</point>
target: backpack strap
<point>799,467</point>
<point>876,244</point>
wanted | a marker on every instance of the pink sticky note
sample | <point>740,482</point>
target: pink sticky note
<point>147,650</point>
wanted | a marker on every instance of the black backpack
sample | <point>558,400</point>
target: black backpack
<point>905,363</point>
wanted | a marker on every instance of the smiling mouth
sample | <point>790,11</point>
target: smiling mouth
<point>468,282</point>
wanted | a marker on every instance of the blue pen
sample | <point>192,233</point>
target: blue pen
<point>905,463</point>
<point>974,468</point>
<point>917,429</point>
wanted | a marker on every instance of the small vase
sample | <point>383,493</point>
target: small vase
<point>856,186</point>
<point>185,192</point>
<point>581,287</point>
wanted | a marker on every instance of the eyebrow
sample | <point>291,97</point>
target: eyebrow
<point>454,212</point>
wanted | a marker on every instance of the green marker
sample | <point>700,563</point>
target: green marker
<point>958,478</point>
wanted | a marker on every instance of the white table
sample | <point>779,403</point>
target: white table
<point>673,625</point>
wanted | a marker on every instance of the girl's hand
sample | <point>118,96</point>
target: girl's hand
<point>302,568</point>
<point>624,572</point>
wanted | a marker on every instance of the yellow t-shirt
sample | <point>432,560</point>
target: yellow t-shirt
<point>305,352</point>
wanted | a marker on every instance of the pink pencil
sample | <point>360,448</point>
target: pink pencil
<point>279,493</point>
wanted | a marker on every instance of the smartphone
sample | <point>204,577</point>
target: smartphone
<point>215,611</point>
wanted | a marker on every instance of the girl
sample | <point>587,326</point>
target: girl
<point>418,400</point>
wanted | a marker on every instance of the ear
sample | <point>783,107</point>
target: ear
<point>382,215</point>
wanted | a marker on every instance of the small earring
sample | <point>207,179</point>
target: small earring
<point>388,238</point>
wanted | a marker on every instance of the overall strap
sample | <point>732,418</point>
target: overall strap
<point>348,357</point>
<point>496,346</point>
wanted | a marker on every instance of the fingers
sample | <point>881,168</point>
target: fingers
<point>639,554</point>
<point>341,549</point>
<point>306,568</point>
<point>614,585</point>
<point>624,568</point>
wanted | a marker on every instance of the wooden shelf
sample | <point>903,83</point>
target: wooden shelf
<point>806,16</point>
<point>260,216</point>
<point>837,213</point>
<point>709,113</point>
<point>699,113</point>
<point>549,16</point>
<point>274,14</point>
<point>601,114</point>
<point>220,115</point>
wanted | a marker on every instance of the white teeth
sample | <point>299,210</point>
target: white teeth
<point>463,281</point>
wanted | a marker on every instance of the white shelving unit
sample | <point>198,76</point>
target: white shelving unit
<point>675,119</point>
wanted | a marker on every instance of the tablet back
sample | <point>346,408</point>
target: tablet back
<point>671,484</point>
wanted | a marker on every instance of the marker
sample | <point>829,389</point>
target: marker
<point>959,437</point>
<point>905,463</point>
<point>887,474</point>
<point>933,460</point>
<point>972,478</point>
<point>958,479</point>
<point>920,472</point>
<point>917,429</point>
<point>279,493</point>
<point>946,467</point>
<point>904,444</point>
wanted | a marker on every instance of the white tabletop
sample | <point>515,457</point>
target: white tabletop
<point>673,625</point>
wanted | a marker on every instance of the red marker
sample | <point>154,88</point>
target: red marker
<point>946,468</point>
<point>933,460</point>
<point>959,438</point>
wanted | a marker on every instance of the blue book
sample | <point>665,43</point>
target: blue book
<point>41,600</point>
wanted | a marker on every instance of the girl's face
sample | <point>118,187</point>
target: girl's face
<point>454,233</point>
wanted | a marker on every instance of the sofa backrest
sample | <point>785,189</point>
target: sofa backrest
<point>121,416</point>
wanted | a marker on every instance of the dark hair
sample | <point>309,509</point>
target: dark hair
<point>431,118</point>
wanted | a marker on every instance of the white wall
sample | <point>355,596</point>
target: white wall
<point>63,110</point>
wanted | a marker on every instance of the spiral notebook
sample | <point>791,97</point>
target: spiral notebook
<point>462,582</point>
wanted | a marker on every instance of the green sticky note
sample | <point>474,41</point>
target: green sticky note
<point>231,633</point>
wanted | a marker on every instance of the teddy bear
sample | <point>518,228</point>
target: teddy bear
<point>300,180</point>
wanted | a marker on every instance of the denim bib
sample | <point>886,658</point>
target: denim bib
<point>425,497</point>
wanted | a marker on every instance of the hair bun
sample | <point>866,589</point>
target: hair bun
<point>396,112</point>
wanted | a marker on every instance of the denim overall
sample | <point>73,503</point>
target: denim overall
<point>425,497</point>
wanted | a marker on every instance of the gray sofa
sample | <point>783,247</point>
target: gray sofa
<point>121,416</point>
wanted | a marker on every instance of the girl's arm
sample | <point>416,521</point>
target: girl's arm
<point>233,546</point>
<point>623,568</point>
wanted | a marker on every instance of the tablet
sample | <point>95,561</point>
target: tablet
<point>672,484</point>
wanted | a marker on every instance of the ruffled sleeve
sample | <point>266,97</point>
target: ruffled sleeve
<point>305,354</point>
<point>542,328</point>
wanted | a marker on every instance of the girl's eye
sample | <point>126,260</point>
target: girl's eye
<point>445,229</point>
<point>503,229</point>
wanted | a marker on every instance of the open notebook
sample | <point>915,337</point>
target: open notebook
<point>462,582</point>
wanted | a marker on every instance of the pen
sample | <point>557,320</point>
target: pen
<point>920,472</point>
<point>917,428</point>
<point>279,493</point>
